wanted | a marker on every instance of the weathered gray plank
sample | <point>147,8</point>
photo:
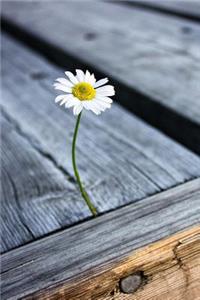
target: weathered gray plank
<point>58,262</point>
<point>37,197</point>
<point>186,9</point>
<point>117,166</point>
<point>154,57</point>
<point>14,229</point>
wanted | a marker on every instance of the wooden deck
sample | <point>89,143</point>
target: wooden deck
<point>139,161</point>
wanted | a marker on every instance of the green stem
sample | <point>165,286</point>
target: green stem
<point>82,190</point>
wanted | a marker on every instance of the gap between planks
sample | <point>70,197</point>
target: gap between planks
<point>88,260</point>
<point>125,165</point>
<point>189,10</point>
<point>178,117</point>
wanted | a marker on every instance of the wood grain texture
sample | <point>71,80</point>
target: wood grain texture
<point>95,255</point>
<point>36,197</point>
<point>171,271</point>
<point>154,59</point>
<point>117,166</point>
<point>182,8</point>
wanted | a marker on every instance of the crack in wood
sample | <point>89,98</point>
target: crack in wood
<point>183,266</point>
<point>36,146</point>
<point>23,221</point>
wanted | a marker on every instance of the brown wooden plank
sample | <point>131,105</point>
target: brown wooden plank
<point>117,166</point>
<point>171,270</point>
<point>87,261</point>
<point>153,58</point>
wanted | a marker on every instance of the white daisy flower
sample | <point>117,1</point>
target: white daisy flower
<point>83,91</point>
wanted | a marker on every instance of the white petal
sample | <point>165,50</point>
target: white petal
<point>96,111</point>
<point>92,80</point>
<point>87,76</point>
<point>86,104</point>
<point>77,109</point>
<point>106,87</point>
<point>71,77</point>
<point>90,105</point>
<point>101,82</point>
<point>98,106</point>
<point>107,90</point>
<point>63,101</point>
<point>59,98</point>
<point>71,101</point>
<point>104,99</point>
<point>80,75</point>
<point>61,87</point>
<point>106,93</point>
<point>102,104</point>
<point>64,82</point>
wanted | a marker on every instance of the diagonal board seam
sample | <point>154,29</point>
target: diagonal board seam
<point>118,138</point>
<point>22,133</point>
<point>118,213</point>
<point>143,103</point>
<point>158,9</point>
<point>35,144</point>
<point>114,268</point>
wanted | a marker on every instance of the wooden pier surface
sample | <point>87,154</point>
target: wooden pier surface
<point>139,161</point>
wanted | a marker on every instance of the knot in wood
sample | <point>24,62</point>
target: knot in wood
<point>90,36</point>
<point>131,283</point>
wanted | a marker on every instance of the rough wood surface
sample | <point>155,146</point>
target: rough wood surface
<point>88,260</point>
<point>153,58</point>
<point>183,8</point>
<point>171,270</point>
<point>117,166</point>
<point>36,197</point>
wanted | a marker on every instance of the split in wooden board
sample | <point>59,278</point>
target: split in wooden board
<point>155,62</point>
<point>118,167</point>
<point>87,261</point>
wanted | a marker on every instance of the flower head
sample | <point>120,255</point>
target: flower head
<point>83,91</point>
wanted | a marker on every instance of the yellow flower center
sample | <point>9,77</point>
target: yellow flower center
<point>84,91</point>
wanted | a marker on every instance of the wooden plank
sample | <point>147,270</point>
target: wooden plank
<point>35,194</point>
<point>90,257</point>
<point>117,166</point>
<point>185,9</point>
<point>13,226</point>
<point>171,270</point>
<point>154,59</point>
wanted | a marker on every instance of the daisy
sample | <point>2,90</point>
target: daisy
<point>83,91</point>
